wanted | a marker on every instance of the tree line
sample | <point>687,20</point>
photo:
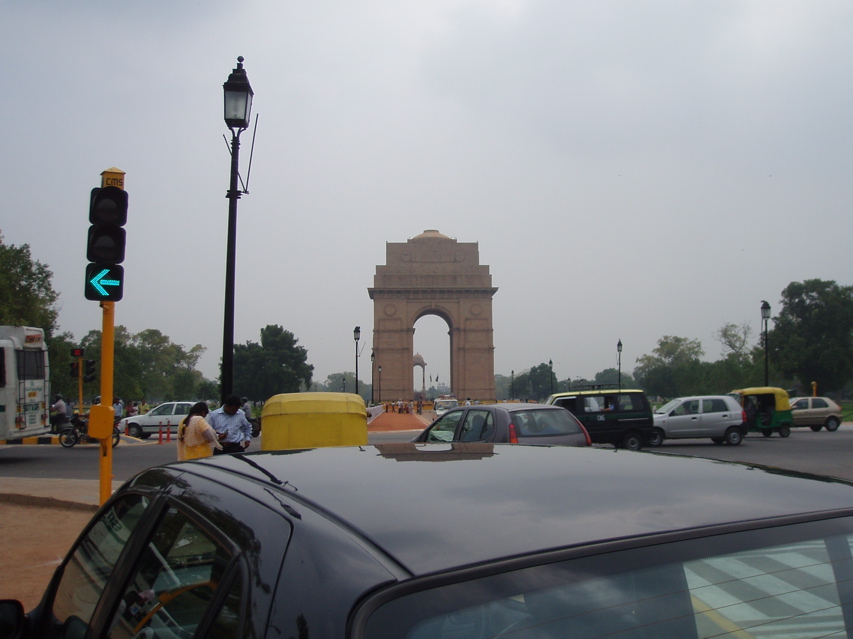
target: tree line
<point>810,340</point>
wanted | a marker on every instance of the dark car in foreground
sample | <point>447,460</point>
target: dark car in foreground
<point>508,423</point>
<point>455,541</point>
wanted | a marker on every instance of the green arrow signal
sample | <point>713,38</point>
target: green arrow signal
<point>99,282</point>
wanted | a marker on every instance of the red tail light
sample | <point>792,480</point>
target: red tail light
<point>513,436</point>
<point>586,433</point>
<point>743,417</point>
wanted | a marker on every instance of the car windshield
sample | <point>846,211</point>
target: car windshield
<point>663,410</point>
<point>446,404</point>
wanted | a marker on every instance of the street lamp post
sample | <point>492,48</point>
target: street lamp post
<point>372,368</point>
<point>379,383</point>
<point>765,315</point>
<point>551,376</point>
<point>356,335</point>
<point>238,108</point>
<point>619,359</point>
<point>511,385</point>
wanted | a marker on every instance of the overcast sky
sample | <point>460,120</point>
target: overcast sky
<point>629,169</point>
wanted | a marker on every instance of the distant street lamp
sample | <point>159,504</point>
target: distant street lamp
<point>238,108</point>
<point>379,384</point>
<point>765,315</point>
<point>551,376</point>
<point>619,359</point>
<point>511,385</point>
<point>356,334</point>
<point>372,368</point>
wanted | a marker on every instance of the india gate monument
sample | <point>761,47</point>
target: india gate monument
<point>432,274</point>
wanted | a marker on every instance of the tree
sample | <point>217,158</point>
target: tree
<point>27,297</point>
<point>276,365</point>
<point>673,369</point>
<point>812,339</point>
<point>611,376</point>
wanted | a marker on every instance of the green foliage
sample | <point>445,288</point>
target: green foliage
<point>343,382</point>
<point>147,365</point>
<point>276,365</point>
<point>59,355</point>
<point>611,376</point>
<point>27,297</point>
<point>812,337</point>
<point>673,368</point>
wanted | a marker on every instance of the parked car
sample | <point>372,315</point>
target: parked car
<point>767,408</point>
<point>719,417</point>
<point>452,541</point>
<point>816,412</point>
<point>618,416</point>
<point>168,414</point>
<point>507,424</point>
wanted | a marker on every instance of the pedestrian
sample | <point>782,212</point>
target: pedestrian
<point>246,408</point>
<point>196,438</point>
<point>132,409</point>
<point>144,407</point>
<point>231,425</point>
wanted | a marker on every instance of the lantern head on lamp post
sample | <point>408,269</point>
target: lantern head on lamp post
<point>238,98</point>
<point>765,316</point>
<point>551,374</point>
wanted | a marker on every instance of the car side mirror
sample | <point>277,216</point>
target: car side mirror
<point>12,619</point>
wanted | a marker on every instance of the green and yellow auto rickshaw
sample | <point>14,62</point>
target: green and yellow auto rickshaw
<point>767,410</point>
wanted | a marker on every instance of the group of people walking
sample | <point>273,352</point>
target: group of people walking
<point>203,432</point>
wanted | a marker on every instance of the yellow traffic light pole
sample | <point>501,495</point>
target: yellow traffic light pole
<point>102,416</point>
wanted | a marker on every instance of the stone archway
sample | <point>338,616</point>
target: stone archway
<point>433,274</point>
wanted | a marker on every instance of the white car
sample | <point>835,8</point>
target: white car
<point>719,417</point>
<point>441,406</point>
<point>168,414</point>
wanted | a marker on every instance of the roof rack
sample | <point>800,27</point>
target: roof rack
<point>588,387</point>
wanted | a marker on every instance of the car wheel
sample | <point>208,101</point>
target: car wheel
<point>632,441</point>
<point>734,436</point>
<point>657,437</point>
<point>784,431</point>
<point>766,432</point>
<point>816,428</point>
<point>135,430</point>
<point>832,424</point>
<point>718,440</point>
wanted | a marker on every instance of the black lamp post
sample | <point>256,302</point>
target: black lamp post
<point>619,359</point>
<point>372,368</point>
<point>765,315</point>
<point>356,335</point>
<point>238,108</point>
<point>379,384</point>
<point>551,376</point>
<point>511,385</point>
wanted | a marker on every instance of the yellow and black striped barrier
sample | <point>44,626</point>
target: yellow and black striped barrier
<point>29,441</point>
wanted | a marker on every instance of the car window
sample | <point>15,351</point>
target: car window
<point>541,423</point>
<point>569,403</point>
<point>162,409</point>
<point>182,409</point>
<point>715,405</point>
<point>801,403</point>
<point>445,428</point>
<point>626,402</point>
<point>818,402</point>
<point>478,426</point>
<point>791,581</point>
<point>174,582</point>
<point>92,562</point>
<point>593,404</point>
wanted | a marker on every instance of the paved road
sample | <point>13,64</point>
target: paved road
<point>805,451</point>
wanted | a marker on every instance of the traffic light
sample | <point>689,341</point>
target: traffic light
<point>105,247</point>
<point>75,369</point>
<point>89,371</point>
<point>77,352</point>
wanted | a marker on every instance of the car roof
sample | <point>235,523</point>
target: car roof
<point>597,391</point>
<point>692,397</point>
<point>434,507</point>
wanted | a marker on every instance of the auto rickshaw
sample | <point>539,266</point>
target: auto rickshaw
<point>767,409</point>
<point>310,420</point>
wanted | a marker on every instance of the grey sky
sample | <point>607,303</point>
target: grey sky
<point>629,169</point>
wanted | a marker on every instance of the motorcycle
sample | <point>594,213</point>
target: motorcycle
<point>78,433</point>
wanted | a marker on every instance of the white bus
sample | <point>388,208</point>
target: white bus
<point>24,383</point>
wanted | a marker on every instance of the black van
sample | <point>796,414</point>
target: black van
<point>622,417</point>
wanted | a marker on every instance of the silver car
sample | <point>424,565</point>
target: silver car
<point>719,417</point>
<point>816,412</point>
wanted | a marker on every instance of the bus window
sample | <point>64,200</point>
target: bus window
<point>30,365</point>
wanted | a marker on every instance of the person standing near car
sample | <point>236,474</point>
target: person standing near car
<point>60,417</point>
<point>196,438</point>
<point>234,430</point>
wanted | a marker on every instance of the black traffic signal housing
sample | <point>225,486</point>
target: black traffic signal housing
<point>74,369</point>
<point>105,246</point>
<point>89,371</point>
<point>77,352</point>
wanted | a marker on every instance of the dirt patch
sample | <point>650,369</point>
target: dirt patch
<point>36,539</point>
